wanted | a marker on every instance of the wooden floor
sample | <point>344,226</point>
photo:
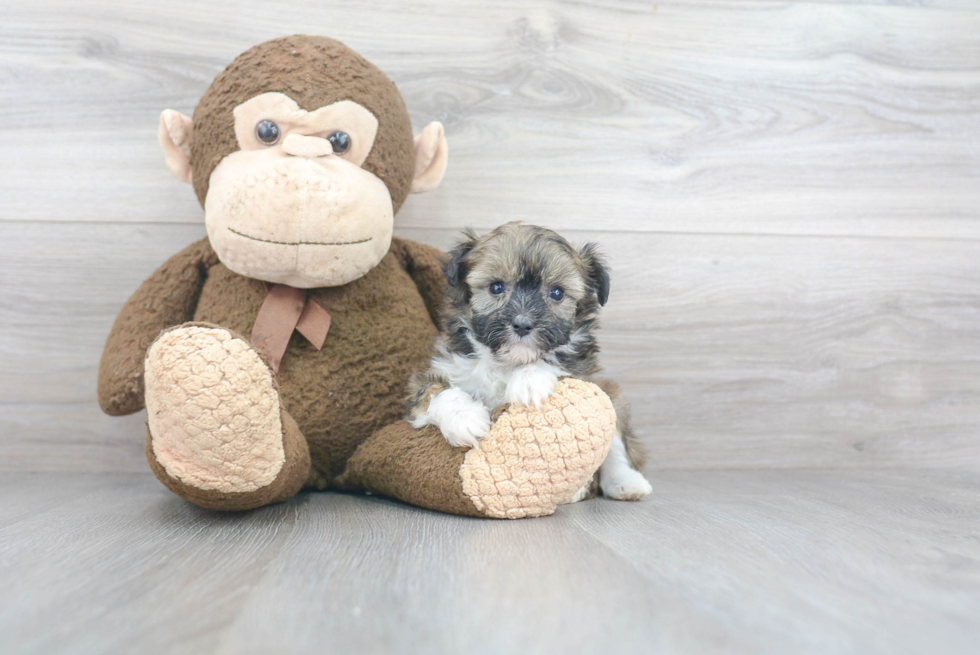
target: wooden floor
<point>806,561</point>
<point>789,195</point>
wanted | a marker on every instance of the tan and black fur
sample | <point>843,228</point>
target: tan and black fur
<point>530,263</point>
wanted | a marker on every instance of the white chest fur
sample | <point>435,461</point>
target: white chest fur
<point>493,382</point>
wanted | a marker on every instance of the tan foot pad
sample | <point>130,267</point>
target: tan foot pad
<point>533,460</point>
<point>213,410</point>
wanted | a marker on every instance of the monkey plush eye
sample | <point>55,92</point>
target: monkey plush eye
<point>340,142</point>
<point>556,294</point>
<point>496,288</point>
<point>267,132</point>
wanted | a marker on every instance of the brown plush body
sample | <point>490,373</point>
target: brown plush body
<point>339,395</point>
<point>291,207</point>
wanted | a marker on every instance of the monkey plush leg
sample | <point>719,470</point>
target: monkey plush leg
<point>531,460</point>
<point>217,433</point>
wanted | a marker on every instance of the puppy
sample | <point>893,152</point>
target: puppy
<point>521,311</point>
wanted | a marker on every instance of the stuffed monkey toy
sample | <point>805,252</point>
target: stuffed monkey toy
<point>273,355</point>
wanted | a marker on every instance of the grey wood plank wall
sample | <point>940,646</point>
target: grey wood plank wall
<point>788,193</point>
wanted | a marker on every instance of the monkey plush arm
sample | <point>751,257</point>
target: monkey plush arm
<point>425,266</point>
<point>167,298</point>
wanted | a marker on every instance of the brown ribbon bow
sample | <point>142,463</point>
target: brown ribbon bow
<point>286,309</point>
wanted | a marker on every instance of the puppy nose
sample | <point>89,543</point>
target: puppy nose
<point>310,147</point>
<point>522,325</point>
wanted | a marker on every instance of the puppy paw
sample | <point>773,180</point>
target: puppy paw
<point>530,386</point>
<point>626,484</point>
<point>462,420</point>
<point>467,427</point>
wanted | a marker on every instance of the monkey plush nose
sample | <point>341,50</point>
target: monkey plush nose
<point>310,147</point>
<point>522,325</point>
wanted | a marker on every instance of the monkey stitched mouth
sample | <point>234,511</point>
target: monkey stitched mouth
<point>300,243</point>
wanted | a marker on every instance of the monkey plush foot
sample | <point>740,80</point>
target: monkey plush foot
<point>531,460</point>
<point>217,433</point>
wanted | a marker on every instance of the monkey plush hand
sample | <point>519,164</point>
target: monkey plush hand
<point>273,355</point>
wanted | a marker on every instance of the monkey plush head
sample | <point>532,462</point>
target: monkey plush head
<point>301,152</point>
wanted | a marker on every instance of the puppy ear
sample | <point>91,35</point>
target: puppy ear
<point>595,265</point>
<point>456,267</point>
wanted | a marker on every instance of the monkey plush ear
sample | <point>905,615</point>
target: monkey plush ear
<point>431,153</point>
<point>175,139</point>
<point>595,263</point>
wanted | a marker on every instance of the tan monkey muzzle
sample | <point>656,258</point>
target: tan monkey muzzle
<point>298,215</point>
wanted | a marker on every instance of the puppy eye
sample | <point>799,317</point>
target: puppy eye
<point>267,132</point>
<point>496,288</point>
<point>340,142</point>
<point>556,294</point>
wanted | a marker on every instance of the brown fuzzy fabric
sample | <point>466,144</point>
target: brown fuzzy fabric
<point>314,71</point>
<point>415,466</point>
<point>382,332</point>
<point>290,480</point>
<point>531,461</point>
<point>167,298</point>
<point>425,266</point>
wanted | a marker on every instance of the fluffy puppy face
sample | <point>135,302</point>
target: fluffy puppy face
<point>524,293</point>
